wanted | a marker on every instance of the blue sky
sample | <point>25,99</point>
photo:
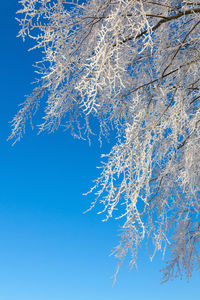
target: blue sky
<point>49,249</point>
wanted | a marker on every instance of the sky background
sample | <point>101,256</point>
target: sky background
<point>49,249</point>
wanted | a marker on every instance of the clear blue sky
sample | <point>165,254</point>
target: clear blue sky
<point>49,249</point>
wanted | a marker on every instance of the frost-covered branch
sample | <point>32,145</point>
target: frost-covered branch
<point>132,66</point>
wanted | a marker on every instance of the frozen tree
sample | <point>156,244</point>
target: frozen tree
<point>130,66</point>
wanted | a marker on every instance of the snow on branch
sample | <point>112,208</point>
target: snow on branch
<point>133,66</point>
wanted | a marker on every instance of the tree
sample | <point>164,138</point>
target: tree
<point>132,66</point>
